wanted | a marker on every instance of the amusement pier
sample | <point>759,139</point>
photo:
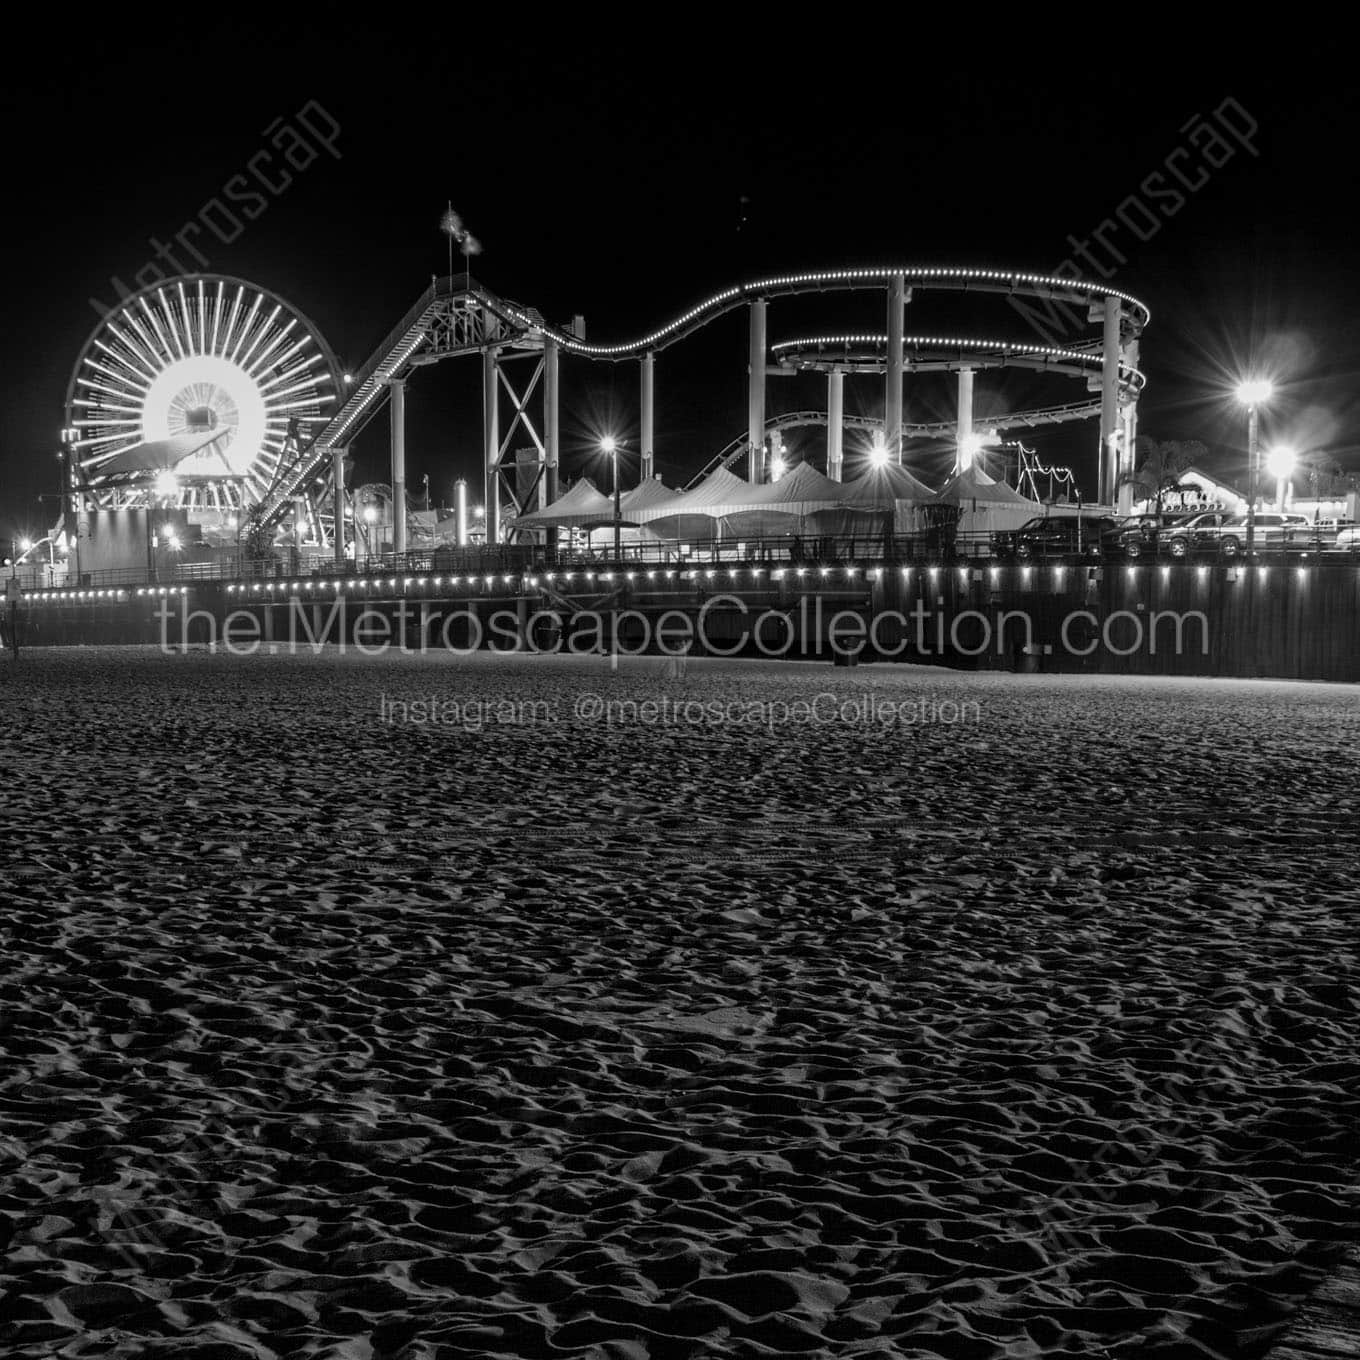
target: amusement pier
<point>206,444</point>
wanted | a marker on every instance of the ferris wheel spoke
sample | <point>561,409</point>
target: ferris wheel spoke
<point>165,347</point>
<point>288,375</point>
<point>153,355</point>
<point>174,347</point>
<point>262,331</point>
<point>202,321</point>
<point>124,362</point>
<point>187,333</point>
<point>123,381</point>
<point>276,339</point>
<point>235,312</point>
<point>133,349</point>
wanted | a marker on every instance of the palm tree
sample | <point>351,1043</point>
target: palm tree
<point>1325,476</point>
<point>1161,466</point>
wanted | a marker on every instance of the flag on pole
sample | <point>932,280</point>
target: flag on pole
<point>452,226</point>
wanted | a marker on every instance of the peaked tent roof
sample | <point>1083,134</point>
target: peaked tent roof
<point>651,492</point>
<point>713,496</point>
<point>879,487</point>
<point>972,484</point>
<point>802,491</point>
<point>583,504</point>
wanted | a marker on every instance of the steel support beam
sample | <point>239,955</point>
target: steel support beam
<point>1128,418</point>
<point>461,511</point>
<point>835,423</point>
<point>892,391</point>
<point>755,387</point>
<point>398,386</point>
<point>648,447</point>
<point>338,504</point>
<point>963,436</point>
<point>491,444</point>
<point>551,427</point>
<point>1109,401</point>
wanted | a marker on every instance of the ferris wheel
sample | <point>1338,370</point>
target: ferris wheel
<point>190,393</point>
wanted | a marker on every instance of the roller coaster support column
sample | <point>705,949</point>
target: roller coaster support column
<point>892,395</point>
<point>1109,402</point>
<point>1127,442</point>
<point>460,512</point>
<point>491,444</point>
<point>551,442</point>
<point>398,465</point>
<point>963,456</point>
<point>338,504</point>
<point>648,416</point>
<point>835,422</point>
<point>755,423</point>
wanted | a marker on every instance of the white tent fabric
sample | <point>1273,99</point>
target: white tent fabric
<point>985,506</point>
<point>641,497</point>
<point>871,498</point>
<point>698,512</point>
<point>785,506</point>
<point>583,505</point>
<point>877,488</point>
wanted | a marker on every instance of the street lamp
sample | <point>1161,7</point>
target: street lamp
<point>878,454</point>
<point>1253,394</point>
<point>610,445</point>
<point>1280,464</point>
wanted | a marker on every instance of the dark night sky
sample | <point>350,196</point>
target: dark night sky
<point>607,180</point>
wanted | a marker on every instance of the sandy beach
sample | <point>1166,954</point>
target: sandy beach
<point>403,1008</point>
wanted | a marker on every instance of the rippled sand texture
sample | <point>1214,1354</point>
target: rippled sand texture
<point>324,1037</point>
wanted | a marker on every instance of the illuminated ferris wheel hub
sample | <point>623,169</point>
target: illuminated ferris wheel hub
<point>191,391</point>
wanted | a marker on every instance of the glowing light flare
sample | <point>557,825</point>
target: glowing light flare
<point>1280,461</point>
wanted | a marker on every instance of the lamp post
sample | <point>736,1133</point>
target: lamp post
<point>610,445</point>
<point>1280,463</point>
<point>27,546</point>
<point>1252,394</point>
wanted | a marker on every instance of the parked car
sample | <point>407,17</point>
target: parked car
<point>1138,534</point>
<point>1057,535</point>
<point>1272,530</point>
<point>1321,534</point>
<point>1349,538</point>
<point>1198,531</point>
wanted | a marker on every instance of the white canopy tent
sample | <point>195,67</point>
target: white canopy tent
<point>698,512</point>
<point>581,507</point>
<point>985,506</point>
<point>877,494</point>
<point>786,506</point>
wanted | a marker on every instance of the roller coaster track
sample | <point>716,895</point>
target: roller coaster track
<point>456,315</point>
<point>938,353</point>
<point>938,429</point>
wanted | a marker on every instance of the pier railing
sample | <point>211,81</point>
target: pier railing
<point>923,549</point>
